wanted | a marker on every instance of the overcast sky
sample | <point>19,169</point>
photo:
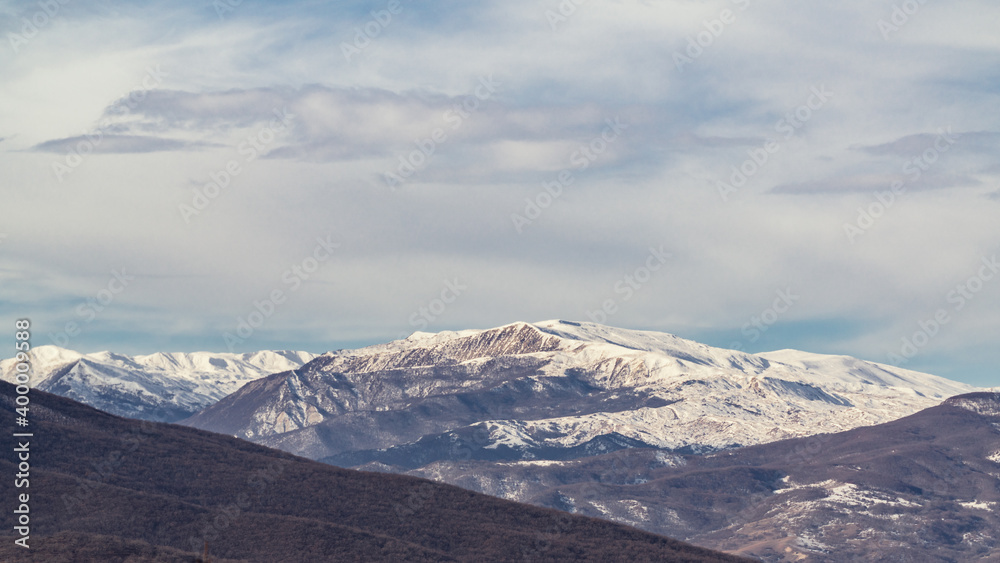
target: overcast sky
<point>181,176</point>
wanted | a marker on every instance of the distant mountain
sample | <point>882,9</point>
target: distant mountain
<point>104,488</point>
<point>558,390</point>
<point>159,387</point>
<point>923,488</point>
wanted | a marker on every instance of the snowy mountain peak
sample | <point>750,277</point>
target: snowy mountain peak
<point>592,339</point>
<point>633,357</point>
<point>625,338</point>
<point>49,354</point>
<point>159,386</point>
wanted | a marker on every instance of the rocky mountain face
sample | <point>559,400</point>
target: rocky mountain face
<point>923,488</point>
<point>558,390</point>
<point>160,387</point>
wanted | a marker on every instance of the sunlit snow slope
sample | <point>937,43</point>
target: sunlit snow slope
<point>162,387</point>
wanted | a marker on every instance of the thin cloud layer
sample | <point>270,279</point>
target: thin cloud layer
<point>116,144</point>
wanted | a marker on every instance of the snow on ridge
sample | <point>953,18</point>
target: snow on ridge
<point>212,362</point>
<point>664,354</point>
<point>593,332</point>
<point>986,405</point>
<point>608,341</point>
<point>848,494</point>
<point>846,372</point>
<point>622,358</point>
<point>662,357</point>
<point>48,355</point>
<point>714,397</point>
<point>988,506</point>
<point>422,339</point>
<point>631,340</point>
<point>172,383</point>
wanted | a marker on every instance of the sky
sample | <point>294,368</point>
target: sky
<point>247,175</point>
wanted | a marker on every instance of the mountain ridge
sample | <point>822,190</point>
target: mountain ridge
<point>561,384</point>
<point>159,386</point>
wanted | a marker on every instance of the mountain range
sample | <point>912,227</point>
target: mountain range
<point>782,456</point>
<point>558,390</point>
<point>105,488</point>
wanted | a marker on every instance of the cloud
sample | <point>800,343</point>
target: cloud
<point>224,78</point>
<point>330,124</point>
<point>118,144</point>
<point>180,110</point>
<point>710,141</point>
<point>873,183</point>
<point>914,145</point>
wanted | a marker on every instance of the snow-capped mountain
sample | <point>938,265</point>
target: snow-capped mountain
<point>559,389</point>
<point>161,387</point>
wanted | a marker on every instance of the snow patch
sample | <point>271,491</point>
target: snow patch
<point>988,506</point>
<point>849,494</point>
<point>536,463</point>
